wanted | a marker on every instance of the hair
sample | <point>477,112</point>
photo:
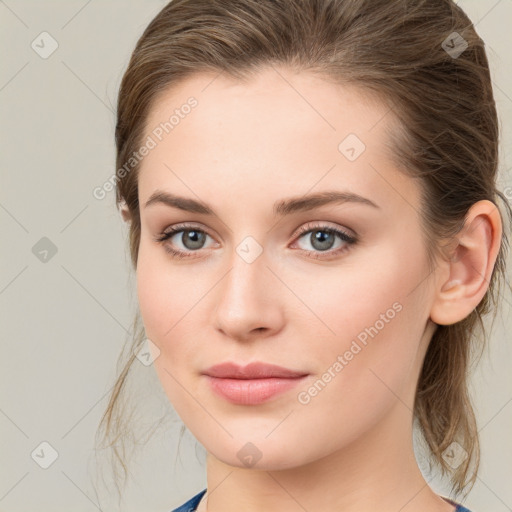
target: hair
<point>446,136</point>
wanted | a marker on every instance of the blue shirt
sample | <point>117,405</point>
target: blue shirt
<point>191,505</point>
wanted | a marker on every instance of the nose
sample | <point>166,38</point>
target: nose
<point>249,298</point>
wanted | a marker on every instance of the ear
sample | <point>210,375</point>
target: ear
<point>125,212</point>
<point>465,277</point>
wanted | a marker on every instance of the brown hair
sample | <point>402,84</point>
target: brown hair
<point>447,136</point>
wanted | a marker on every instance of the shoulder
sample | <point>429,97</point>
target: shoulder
<point>192,503</point>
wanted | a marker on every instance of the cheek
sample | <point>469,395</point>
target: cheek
<point>172,301</point>
<point>153,301</point>
<point>340,303</point>
<point>160,292</point>
<point>164,316</point>
<point>163,289</point>
<point>377,319</point>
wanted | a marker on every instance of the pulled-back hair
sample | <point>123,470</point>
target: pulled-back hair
<point>447,138</point>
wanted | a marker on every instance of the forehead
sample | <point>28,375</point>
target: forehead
<point>269,99</point>
<point>279,129</point>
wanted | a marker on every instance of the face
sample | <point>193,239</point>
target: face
<point>337,291</point>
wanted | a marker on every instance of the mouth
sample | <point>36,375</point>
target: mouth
<point>253,384</point>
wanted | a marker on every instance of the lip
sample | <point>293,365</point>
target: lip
<point>256,370</point>
<point>253,384</point>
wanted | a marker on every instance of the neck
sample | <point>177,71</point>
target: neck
<point>378,471</point>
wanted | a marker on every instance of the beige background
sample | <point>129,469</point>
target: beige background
<point>64,321</point>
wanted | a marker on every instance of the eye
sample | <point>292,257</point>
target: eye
<point>192,238</point>
<point>321,237</point>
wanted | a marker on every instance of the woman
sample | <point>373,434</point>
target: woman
<point>311,194</point>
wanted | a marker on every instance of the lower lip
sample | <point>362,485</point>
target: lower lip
<point>252,391</point>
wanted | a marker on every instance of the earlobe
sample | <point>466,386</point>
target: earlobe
<point>125,212</point>
<point>470,266</point>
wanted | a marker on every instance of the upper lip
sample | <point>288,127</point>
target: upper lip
<point>255,370</point>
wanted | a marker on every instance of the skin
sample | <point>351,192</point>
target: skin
<point>245,146</point>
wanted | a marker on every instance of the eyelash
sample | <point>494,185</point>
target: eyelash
<point>349,239</point>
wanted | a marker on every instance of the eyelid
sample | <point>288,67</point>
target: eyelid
<point>311,226</point>
<point>183,226</point>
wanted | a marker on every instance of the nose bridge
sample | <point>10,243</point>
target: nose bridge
<point>247,274</point>
<point>246,301</point>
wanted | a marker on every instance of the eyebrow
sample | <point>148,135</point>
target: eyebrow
<point>281,208</point>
